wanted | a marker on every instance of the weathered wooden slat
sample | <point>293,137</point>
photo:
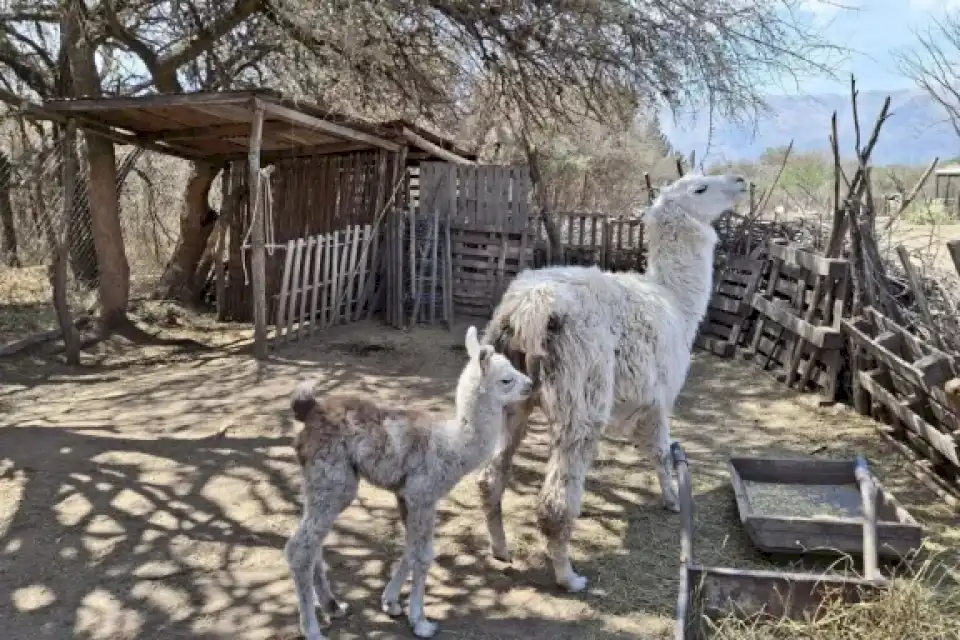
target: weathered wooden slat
<point>333,279</point>
<point>319,244</point>
<point>280,325</point>
<point>349,296</point>
<point>826,267</point>
<point>307,287</point>
<point>942,442</point>
<point>823,337</point>
<point>728,305</point>
<point>934,371</point>
<point>296,281</point>
<point>343,273</point>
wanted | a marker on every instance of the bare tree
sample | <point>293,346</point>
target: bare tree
<point>540,63</point>
<point>933,63</point>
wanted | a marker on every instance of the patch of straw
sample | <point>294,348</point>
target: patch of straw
<point>921,606</point>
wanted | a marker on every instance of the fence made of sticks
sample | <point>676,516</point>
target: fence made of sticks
<point>828,310</point>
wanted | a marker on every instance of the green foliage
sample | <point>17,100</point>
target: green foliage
<point>932,212</point>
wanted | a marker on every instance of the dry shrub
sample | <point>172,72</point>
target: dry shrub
<point>922,606</point>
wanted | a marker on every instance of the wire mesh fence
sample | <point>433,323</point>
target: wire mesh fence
<point>150,190</point>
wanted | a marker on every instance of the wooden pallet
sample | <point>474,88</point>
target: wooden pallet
<point>484,262</point>
<point>726,322</point>
<point>900,380</point>
<point>797,329</point>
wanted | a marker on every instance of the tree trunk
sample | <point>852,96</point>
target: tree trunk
<point>8,231</point>
<point>114,285</point>
<point>554,241</point>
<point>196,224</point>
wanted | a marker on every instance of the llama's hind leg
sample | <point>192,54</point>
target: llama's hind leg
<point>324,597</point>
<point>327,495</point>
<point>660,451</point>
<point>495,476</point>
<point>561,498</point>
<point>390,599</point>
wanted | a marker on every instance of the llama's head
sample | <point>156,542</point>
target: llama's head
<point>496,374</point>
<point>704,198</point>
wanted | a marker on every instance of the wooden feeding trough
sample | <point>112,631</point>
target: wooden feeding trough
<point>714,593</point>
<point>808,505</point>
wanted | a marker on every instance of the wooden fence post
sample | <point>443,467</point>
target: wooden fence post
<point>258,257</point>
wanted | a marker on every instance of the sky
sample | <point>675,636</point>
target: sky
<point>873,30</point>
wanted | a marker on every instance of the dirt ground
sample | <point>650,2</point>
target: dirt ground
<point>149,495</point>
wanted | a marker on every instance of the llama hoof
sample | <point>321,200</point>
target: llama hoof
<point>311,633</point>
<point>337,609</point>
<point>575,584</point>
<point>424,628</point>
<point>671,505</point>
<point>391,607</point>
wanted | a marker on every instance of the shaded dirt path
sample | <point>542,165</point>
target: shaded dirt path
<point>154,501</point>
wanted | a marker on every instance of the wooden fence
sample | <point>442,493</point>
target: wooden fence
<point>787,309</point>
<point>485,211</point>
<point>901,380</point>
<point>327,280</point>
<point>611,243</point>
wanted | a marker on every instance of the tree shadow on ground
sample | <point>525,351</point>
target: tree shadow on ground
<point>155,502</point>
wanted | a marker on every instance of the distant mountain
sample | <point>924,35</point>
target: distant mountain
<point>915,132</point>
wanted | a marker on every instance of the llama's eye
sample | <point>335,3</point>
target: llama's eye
<point>506,381</point>
<point>700,189</point>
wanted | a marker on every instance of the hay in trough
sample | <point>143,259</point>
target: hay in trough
<point>804,500</point>
<point>917,607</point>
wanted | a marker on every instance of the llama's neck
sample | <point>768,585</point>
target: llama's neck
<point>475,431</point>
<point>681,261</point>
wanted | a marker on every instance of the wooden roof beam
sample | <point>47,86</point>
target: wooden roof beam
<point>323,126</point>
<point>422,143</point>
<point>213,132</point>
<point>149,102</point>
<point>302,151</point>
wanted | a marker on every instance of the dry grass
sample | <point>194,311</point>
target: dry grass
<point>26,305</point>
<point>923,605</point>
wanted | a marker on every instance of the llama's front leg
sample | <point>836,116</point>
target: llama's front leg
<point>495,476</point>
<point>420,525</point>
<point>660,450</point>
<point>418,558</point>
<point>561,498</point>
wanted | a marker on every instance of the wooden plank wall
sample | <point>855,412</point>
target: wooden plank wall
<point>486,210</point>
<point>611,243</point>
<point>311,195</point>
<point>900,380</point>
<point>797,327</point>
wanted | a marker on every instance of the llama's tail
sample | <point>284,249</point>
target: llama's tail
<point>303,401</point>
<point>524,327</point>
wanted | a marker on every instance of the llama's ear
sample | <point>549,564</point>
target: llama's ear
<point>484,356</point>
<point>471,342</point>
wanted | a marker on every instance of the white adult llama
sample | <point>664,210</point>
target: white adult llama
<point>606,347</point>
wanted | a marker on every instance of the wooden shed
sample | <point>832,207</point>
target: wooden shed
<point>329,241</point>
<point>947,187</point>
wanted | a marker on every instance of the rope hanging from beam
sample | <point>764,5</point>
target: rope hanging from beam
<point>264,204</point>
